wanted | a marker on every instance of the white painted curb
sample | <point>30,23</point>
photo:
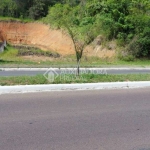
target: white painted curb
<point>62,87</point>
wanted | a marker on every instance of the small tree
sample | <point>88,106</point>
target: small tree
<point>78,47</point>
<point>78,42</point>
<point>75,22</point>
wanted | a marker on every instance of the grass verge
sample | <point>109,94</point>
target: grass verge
<point>62,79</point>
<point>11,58</point>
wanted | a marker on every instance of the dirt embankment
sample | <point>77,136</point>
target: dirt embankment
<point>2,36</point>
<point>38,35</point>
<point>42,36</point>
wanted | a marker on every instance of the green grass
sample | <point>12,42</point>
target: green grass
<point>62,79</point>
<point>25,20</point>
<point>10,58</point>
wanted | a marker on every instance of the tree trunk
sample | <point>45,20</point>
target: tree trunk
<point>78,67</point>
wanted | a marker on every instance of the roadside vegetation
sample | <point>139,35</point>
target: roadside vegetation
<point>15,55</point>
<point>83,78</point>
<point>32,57</point>
<point>126,21</point>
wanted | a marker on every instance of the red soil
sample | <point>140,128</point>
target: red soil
<point>38,35</point>
<point>2,36</point>
<point>42,36</point>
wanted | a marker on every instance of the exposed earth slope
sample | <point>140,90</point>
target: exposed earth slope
<point>42,36</point>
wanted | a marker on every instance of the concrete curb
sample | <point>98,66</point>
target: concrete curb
<point>62,87</point>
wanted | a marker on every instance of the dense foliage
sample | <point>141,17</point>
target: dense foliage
<point>127,21</point>
<point>33,9</point>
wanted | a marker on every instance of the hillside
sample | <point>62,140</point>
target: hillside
<point>122,25</point>
<point>37,35</point>
<point>42,36</point>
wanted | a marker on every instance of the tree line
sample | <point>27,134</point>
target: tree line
<point>33,9</point>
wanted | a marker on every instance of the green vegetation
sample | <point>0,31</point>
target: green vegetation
<point>13,53</point>
<point>25,20</point>
<point>124,21</point>
<point>84,78</point>
<point>12,58</point>
<point>32,51</point>
<point>127,21</point>
<point>33,9</point>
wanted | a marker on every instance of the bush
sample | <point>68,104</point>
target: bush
<point>28,51</point>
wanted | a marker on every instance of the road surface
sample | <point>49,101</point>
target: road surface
<point>80,120</point>
<point>73,71</point>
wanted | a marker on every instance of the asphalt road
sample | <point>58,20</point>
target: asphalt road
<point>81,120</point>
<point>101,71</point>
